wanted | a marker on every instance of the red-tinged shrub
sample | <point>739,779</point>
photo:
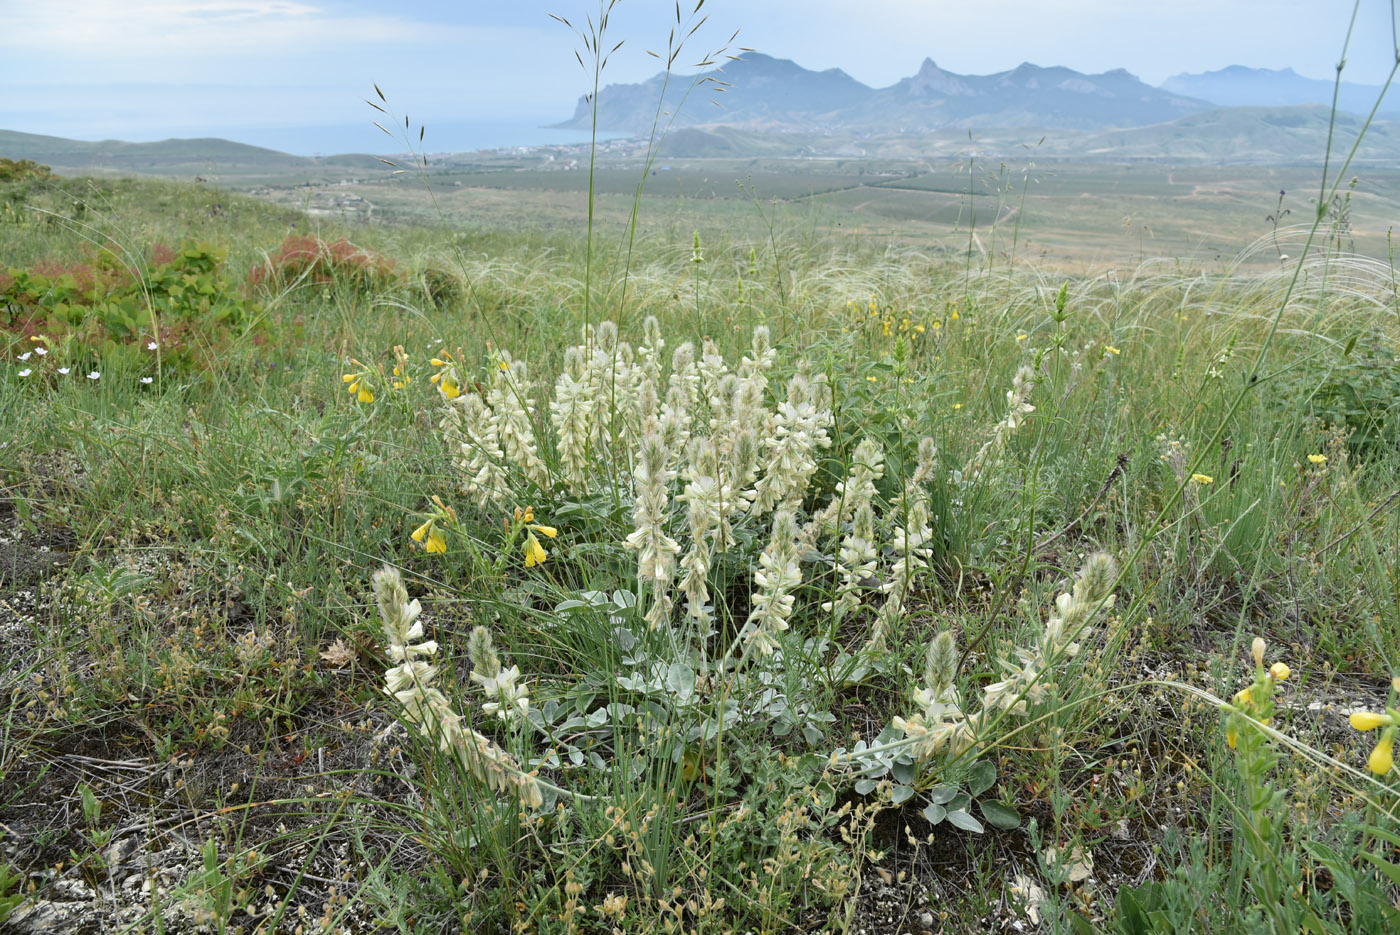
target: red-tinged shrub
<point>161,254</point>
<point>306,259</point>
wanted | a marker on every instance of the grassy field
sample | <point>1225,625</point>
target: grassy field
<point>811,561</point>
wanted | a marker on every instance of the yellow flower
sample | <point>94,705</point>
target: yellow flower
<point>435,544</point>
<point>1382,758</point>
<point>1020,337</point>
<point>1368,720</point>
<point>446,378</point>
<point>1318,459</point>
<point>1232,737</point>
<point>359,383</point>
<point>1280,671</point>
<point>549,531</point>
<point>1203,478</point>
<point>1111,349</point>
<point>418,534</point>
<point>534,552</point>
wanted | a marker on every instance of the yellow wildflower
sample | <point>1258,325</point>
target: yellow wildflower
<point>1021,337</point>
<point>1368,720</point>
<point>1203,478</point>
<point>358,382</point>
<point>534,552</point>
<point>401,368</point>
<point>1318,459</point>
<point>1280,671</point>
<point>1382,758</point>
<point>428,534</point>
<point>446,378</point>
<point>1111,349</point>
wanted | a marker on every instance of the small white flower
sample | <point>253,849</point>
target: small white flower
<point>25,355</point>
<point>41,351</point>
<point>147,380</point>
<point>151,346</point>
<point>64,370</point>
<point>25,372</point>
<point>96,374</point>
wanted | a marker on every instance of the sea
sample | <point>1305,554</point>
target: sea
<point>453,137</point>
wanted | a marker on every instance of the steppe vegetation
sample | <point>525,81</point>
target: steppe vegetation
<point>393,578</point>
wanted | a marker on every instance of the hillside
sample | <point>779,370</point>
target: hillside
<point>167,156</point>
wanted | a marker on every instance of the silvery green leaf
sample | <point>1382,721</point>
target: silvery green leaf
<point>1000,816</point>
<point>901,794</point>
<point>963,820</point>
<point>865,786</point>
<point>903,770</point>
<point>960,801</point>
<point>981,777</point>
<point>935,813</point>
<point>680,679</point>
<point>813,735</point>
<point>942,795</point>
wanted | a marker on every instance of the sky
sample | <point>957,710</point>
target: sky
<point>293,74</point>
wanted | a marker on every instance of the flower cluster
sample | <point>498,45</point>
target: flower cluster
<point>359,382</point>
<point>509,700</point>
<point>429,535</point>
<point>1017,408</point>
<point>410,682</point>
<point>941,721</point>
<point>1256,702</point>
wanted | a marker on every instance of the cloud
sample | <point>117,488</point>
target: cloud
<point>124,31</point>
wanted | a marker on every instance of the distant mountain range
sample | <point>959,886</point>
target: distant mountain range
<point>761,91</point>
<point>1239,86</point>
<point>758,91</point>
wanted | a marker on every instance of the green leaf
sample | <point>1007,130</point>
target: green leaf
<point>901,794</point>
<point>981,777</point>
<point>961,819</point>
<point>935,813</point>
<point>865,786</point>
<point>1000,816</point>
<point>1391,871</point>
<point>942,795</point>
<point>903,771</point>
<point>1081,925</point>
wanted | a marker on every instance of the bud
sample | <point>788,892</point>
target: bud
<point>1279,671</point>
<point>1257,650</point>
<point>1368,720</point>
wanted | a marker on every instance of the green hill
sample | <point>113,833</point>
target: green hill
<point>168,157</point>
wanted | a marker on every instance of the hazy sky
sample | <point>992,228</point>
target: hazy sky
<point>254,69</point>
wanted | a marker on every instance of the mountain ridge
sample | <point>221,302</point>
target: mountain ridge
<point>760,89</point>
